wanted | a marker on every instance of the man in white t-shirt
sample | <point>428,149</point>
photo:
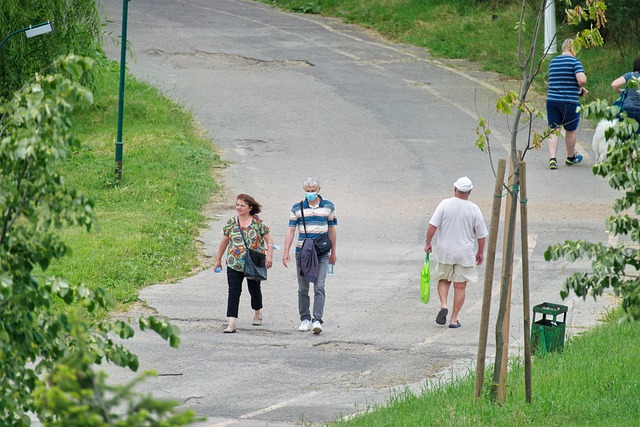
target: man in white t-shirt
<point>459,223</point>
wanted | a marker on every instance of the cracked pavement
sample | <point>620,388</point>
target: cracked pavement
<point>387,129</point>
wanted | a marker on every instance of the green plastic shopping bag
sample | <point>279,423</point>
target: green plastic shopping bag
<point>425,281</point>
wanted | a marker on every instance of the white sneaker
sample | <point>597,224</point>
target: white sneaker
<point>317,327</point>
<point>305,326</point>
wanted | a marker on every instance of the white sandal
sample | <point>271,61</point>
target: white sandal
<point>257,320</point>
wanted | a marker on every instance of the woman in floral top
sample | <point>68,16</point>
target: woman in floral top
<point>256,233</point>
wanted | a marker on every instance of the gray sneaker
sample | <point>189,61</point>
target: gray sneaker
<point>305,326</point>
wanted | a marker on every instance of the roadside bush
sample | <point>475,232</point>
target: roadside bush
<point>623,23</point>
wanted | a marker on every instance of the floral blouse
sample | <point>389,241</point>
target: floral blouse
<point>253,234</point>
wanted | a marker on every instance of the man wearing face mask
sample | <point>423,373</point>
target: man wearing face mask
<point>313,217</point>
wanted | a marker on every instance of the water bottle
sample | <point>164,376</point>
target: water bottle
<point>218,269</point>
<point>330,270</point>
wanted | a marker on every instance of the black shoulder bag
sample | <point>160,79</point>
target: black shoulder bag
<point>255,267</point>
<point>322,243</point>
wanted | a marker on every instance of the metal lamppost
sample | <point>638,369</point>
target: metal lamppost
<point>31,31</point>
<point>123,57</point>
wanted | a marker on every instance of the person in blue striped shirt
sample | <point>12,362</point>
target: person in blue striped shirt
<point>320,218</point>
<point>566,84</point>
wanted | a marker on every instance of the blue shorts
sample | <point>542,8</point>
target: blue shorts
<point>562,114</point>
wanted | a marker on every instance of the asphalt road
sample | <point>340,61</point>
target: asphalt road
<point>387,130</point>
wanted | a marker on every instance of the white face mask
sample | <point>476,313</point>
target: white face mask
<point>311,196</point>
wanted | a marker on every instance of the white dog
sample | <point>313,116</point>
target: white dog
<point>600,142</point>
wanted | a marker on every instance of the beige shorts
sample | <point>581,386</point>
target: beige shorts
<point>456,273</point>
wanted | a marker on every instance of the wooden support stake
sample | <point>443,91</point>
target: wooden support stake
<point>488,276</point>
<point>524,224</point>
<point>502,350</point>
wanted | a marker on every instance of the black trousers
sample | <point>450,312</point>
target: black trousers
<point>234,279</point>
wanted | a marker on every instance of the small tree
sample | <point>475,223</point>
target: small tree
<point>37,339</point>
<point>531,56</point>
<point>74,394</point>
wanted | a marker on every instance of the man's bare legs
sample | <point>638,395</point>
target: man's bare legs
<point>459,294</point>
<point>443,292</point>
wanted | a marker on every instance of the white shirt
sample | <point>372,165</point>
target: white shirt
<point>460,224</point>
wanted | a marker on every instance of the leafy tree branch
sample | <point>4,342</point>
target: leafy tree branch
<point>37,340</point>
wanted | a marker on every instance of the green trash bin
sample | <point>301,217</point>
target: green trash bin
<point>547,334</point>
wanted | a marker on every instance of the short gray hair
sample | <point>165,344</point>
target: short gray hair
<point>311,182</point>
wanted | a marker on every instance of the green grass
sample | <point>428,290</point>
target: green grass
<point>478,31</point>
<point>594,382</point>
<point>146,225</point>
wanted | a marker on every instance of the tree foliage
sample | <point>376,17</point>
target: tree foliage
<point>622,26</point>
<point>36,339</point>
<point>623,23</point>
<point>76,390</point>
<point>77,30</point>
<point>614,266</point>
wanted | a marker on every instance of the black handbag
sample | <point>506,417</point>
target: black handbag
<point>255,263</point>
<point>323,243</point>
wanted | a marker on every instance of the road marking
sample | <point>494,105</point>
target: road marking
<point>262,411</point>
<point>403,52</point>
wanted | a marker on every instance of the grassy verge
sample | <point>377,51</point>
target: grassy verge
<point>594,382</point>
<point>466,29</point>
<point>147,224</point>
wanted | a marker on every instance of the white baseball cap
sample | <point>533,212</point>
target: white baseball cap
<point>463,184</point>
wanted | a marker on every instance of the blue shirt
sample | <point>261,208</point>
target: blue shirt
<point>563,84</point>
<point>318,219</point>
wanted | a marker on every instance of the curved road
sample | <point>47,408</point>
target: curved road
<point>387,130</point>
